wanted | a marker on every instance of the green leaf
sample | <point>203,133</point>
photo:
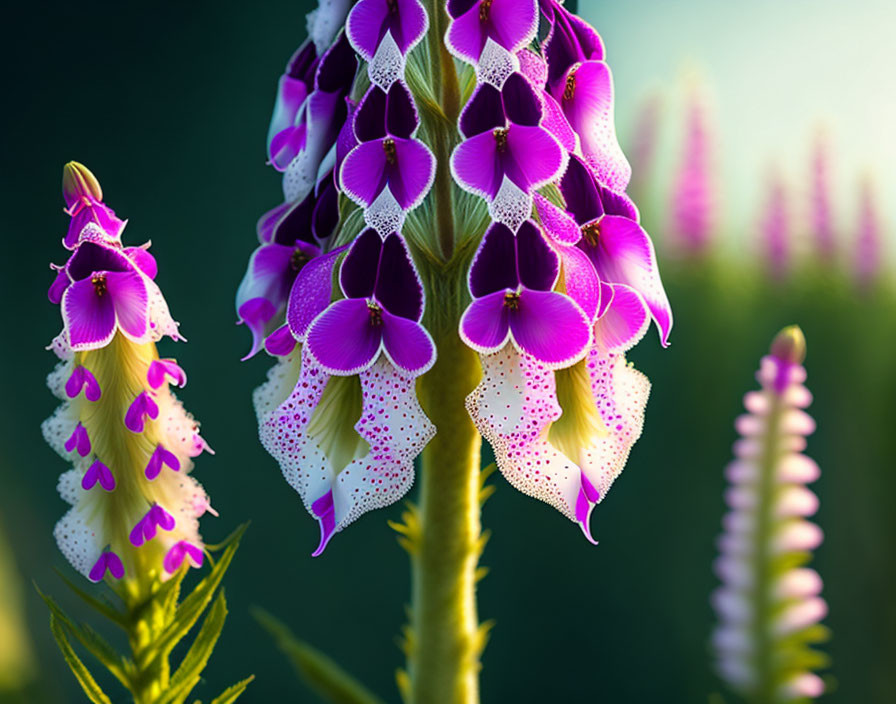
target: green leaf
<point>95,644</point>
<point>105,609</point>
<point>82,674</point>
<point>188,673</point>
<point>321,673</point>
<point>231,694</point>
<point>194,604</point>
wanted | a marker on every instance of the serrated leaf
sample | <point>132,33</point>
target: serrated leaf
<point>190,609</point>
<point>95,644</point>
<point>82,674</point>
<point>318,671</point>
<point>188,673</point>
<point>230,694</point>
<point>107,610</point>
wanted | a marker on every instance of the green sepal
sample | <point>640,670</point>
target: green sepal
<point>190,670</point>
<point>95,644</point>
<point>82,674</point>
<point>317,670</point>
<point>231,694</point>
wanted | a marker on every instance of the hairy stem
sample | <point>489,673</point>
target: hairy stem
<point>443,662</point>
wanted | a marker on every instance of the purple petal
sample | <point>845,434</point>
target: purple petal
<point>160,369</point>
<point>89,318</point>
<point>325,216</point>
<point>407,344</point>
<point>142,407</point>
<point>581,192</point>
<point>569,41</point>
<point>268,222</point>
<point>509,23</point>
<point>625,255</point>
<point>89,211</point>
<point>537,264</point>
<point>256,313</point>
<point>369,21</point>
<point>476,166</point>
<point>311,292</point>
<point>411,177</point>
<point>559,225</point>
<point>370,118</point>
<point>143,260</point>
<point>357,277</point>
<point>587,101</point>
<point>582,283</point>
<point>80,377</point>
<point>363,173</point>
<point>336,70</point>
<point>57,288</point>
<point>286,146</point>
<point>618,204</point>
<point>98,472</point>
<point>107,561</point>
<point>550,327</point>
<point>532,157</point>
<point>521,103</point>
<point>161,457</point>
<point>91,257</point>
<point>606,297</point>
<point>324,511</point>
<point>291,93</point>
<point>494,267</point>
<point>533,67</point>
<point>128,293</point>
<point>555,122</point>
<point>401,113</point>
<point>398,287</point>
<point>625,321</point>
<point>485,324</point>
<point>294,224</point>
<point>280,343</point>
<point>483,112</point>
<point>346,337</point>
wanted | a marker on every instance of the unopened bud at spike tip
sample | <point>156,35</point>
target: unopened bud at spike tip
<point>78,181</point>
<point>789,345</point>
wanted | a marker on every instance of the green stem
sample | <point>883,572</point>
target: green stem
<point>765,689</point>
<point>146,619</point>
<point>443,663</point>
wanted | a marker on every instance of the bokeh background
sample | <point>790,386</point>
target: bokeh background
<point>168,103</point>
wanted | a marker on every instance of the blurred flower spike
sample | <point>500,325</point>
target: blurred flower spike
<point>509,220</point>
<point>769,605</point>
<point>134,508</point>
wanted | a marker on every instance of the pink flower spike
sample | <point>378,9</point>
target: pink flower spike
<point>80,378</point>
<point>107,561</point>
<point>141,407</point>
<point>79,440</point>
<point>176,554</point>
<point>98,472</point>
<point>161,457</point>
<point>161,368</point>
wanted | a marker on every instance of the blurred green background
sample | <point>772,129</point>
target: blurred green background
<point>168,104</point>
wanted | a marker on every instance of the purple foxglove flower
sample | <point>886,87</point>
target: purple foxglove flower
<point>507,154</point>
<point>511,281</point>
<point>769,604</point>
<point>380,313</point>
<point>299,150</point>
<point>476,24</point>
<point>387,155</point>
<point>555,302</point>
<point>692,195</point>
<point>126,425</point>
<point>292,91</point>
<point>345,444</point>
<point>84,203</point>
<point>868,242</point>
<point>821,216</point>
<point>383,32</point>
<point>775,227</point>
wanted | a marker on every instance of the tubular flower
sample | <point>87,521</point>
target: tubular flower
<point>556,302</point>
<point>692,195</point>
<point>769,606</point>
<point>776,229</point>
<point>135,509</point>
<point>868,241</point>
<point>523,191</point>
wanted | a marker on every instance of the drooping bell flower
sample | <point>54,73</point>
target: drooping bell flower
<point>522,193</point>
<point>868,240</point>
<point>507,155</point>
<point>84,203</point>
<point>134,508</point>
<point>692,193</point>
<point>769,604</point>
<point>389,171</point>
<point>821,216</point>
<point>775,227</point>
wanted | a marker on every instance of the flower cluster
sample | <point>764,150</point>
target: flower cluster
<point>134,509</point>
<point>769,604</point>
<point>559,294</point>
<point>563,278</point>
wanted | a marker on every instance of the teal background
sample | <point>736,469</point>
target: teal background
<point>168,104</point>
